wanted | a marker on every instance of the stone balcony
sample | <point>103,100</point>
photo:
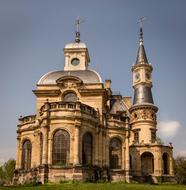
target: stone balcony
<point>27,119</point>
<point>68,109</point>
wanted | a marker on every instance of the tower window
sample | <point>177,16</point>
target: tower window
<point>75,61</point>
<point>153,136</point>
<point>136,137</point>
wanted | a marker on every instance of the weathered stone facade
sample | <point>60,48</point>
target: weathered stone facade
<point>83,131</point>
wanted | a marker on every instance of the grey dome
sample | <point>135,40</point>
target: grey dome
<point>87,76</point>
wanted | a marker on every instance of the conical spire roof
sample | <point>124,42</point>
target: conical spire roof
<point>141,56</point>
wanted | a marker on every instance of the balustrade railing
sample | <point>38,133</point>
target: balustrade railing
<point>26,119</point>
<point>70,106</point>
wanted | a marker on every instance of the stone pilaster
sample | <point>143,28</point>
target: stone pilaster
<point>127,156</point>
<point>50,142</point>
<point>18,153</point>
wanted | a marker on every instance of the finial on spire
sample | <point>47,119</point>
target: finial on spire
<point>140,21</point>
<point>77,23</point>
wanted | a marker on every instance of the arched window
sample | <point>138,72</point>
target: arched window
<point>26,155</point>
<point>115,152</point>
<point>87,149</point>
<point>41,147</point>
<point>61,148</point>
<point>165,163</point>
<point>70,97</point>
<point>147,163</point>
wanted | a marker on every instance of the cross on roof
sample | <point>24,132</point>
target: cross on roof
<point>77,23</point>
<point>141,20</point>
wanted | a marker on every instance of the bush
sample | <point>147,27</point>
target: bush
<point>180,170</point>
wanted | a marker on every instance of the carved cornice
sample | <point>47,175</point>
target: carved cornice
<point>142,65</point>
<point>47,93</point>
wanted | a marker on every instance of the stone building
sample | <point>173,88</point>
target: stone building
<point>83,131</point>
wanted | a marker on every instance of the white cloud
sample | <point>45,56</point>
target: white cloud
<point>180,153</point>
<point>168,128</point>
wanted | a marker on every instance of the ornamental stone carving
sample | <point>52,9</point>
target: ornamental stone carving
<point>143,115</point>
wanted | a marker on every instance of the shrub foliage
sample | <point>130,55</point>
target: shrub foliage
<point>180,169</point>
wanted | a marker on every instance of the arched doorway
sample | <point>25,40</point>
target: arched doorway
<point>115,152</point>
<point>165,159</point>
<point>147,163</point>
<point>87,149</point>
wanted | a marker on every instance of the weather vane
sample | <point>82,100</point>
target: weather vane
<point>77,23</point>
<point>141,20</point>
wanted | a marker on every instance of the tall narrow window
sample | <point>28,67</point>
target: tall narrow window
<point>115,152</point>
<point>61,148</point>
<point>136,137</point>
<point>26,155</point>
<point>41,147</point>
<point>87,149</point>
<point>153,136</point>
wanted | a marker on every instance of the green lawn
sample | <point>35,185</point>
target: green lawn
<point>99,186</point>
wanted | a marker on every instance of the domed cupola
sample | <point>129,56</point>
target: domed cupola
<point>76,53</point>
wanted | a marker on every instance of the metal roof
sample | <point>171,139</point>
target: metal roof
<point>142,94</point>
<point>87,76</point>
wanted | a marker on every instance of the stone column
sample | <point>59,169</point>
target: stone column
<point>45,145</point>
<point>76,145</point>
<point>127,156</point>
<point>50,151</point>
<point>171,166</point>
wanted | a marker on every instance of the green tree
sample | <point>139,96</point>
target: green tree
<point>180,169</point>
<point>9,168</point>
<point>7,171</point>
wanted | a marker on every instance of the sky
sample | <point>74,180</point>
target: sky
<point>33,34</point>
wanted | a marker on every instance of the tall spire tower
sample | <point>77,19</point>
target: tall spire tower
<point>143,110</point>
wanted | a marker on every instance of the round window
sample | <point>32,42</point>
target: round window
<point>75,61</point>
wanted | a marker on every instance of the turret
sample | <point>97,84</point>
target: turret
<point>143,110</point>
<point>76,53</point>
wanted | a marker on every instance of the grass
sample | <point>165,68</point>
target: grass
<point>99,186</point>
